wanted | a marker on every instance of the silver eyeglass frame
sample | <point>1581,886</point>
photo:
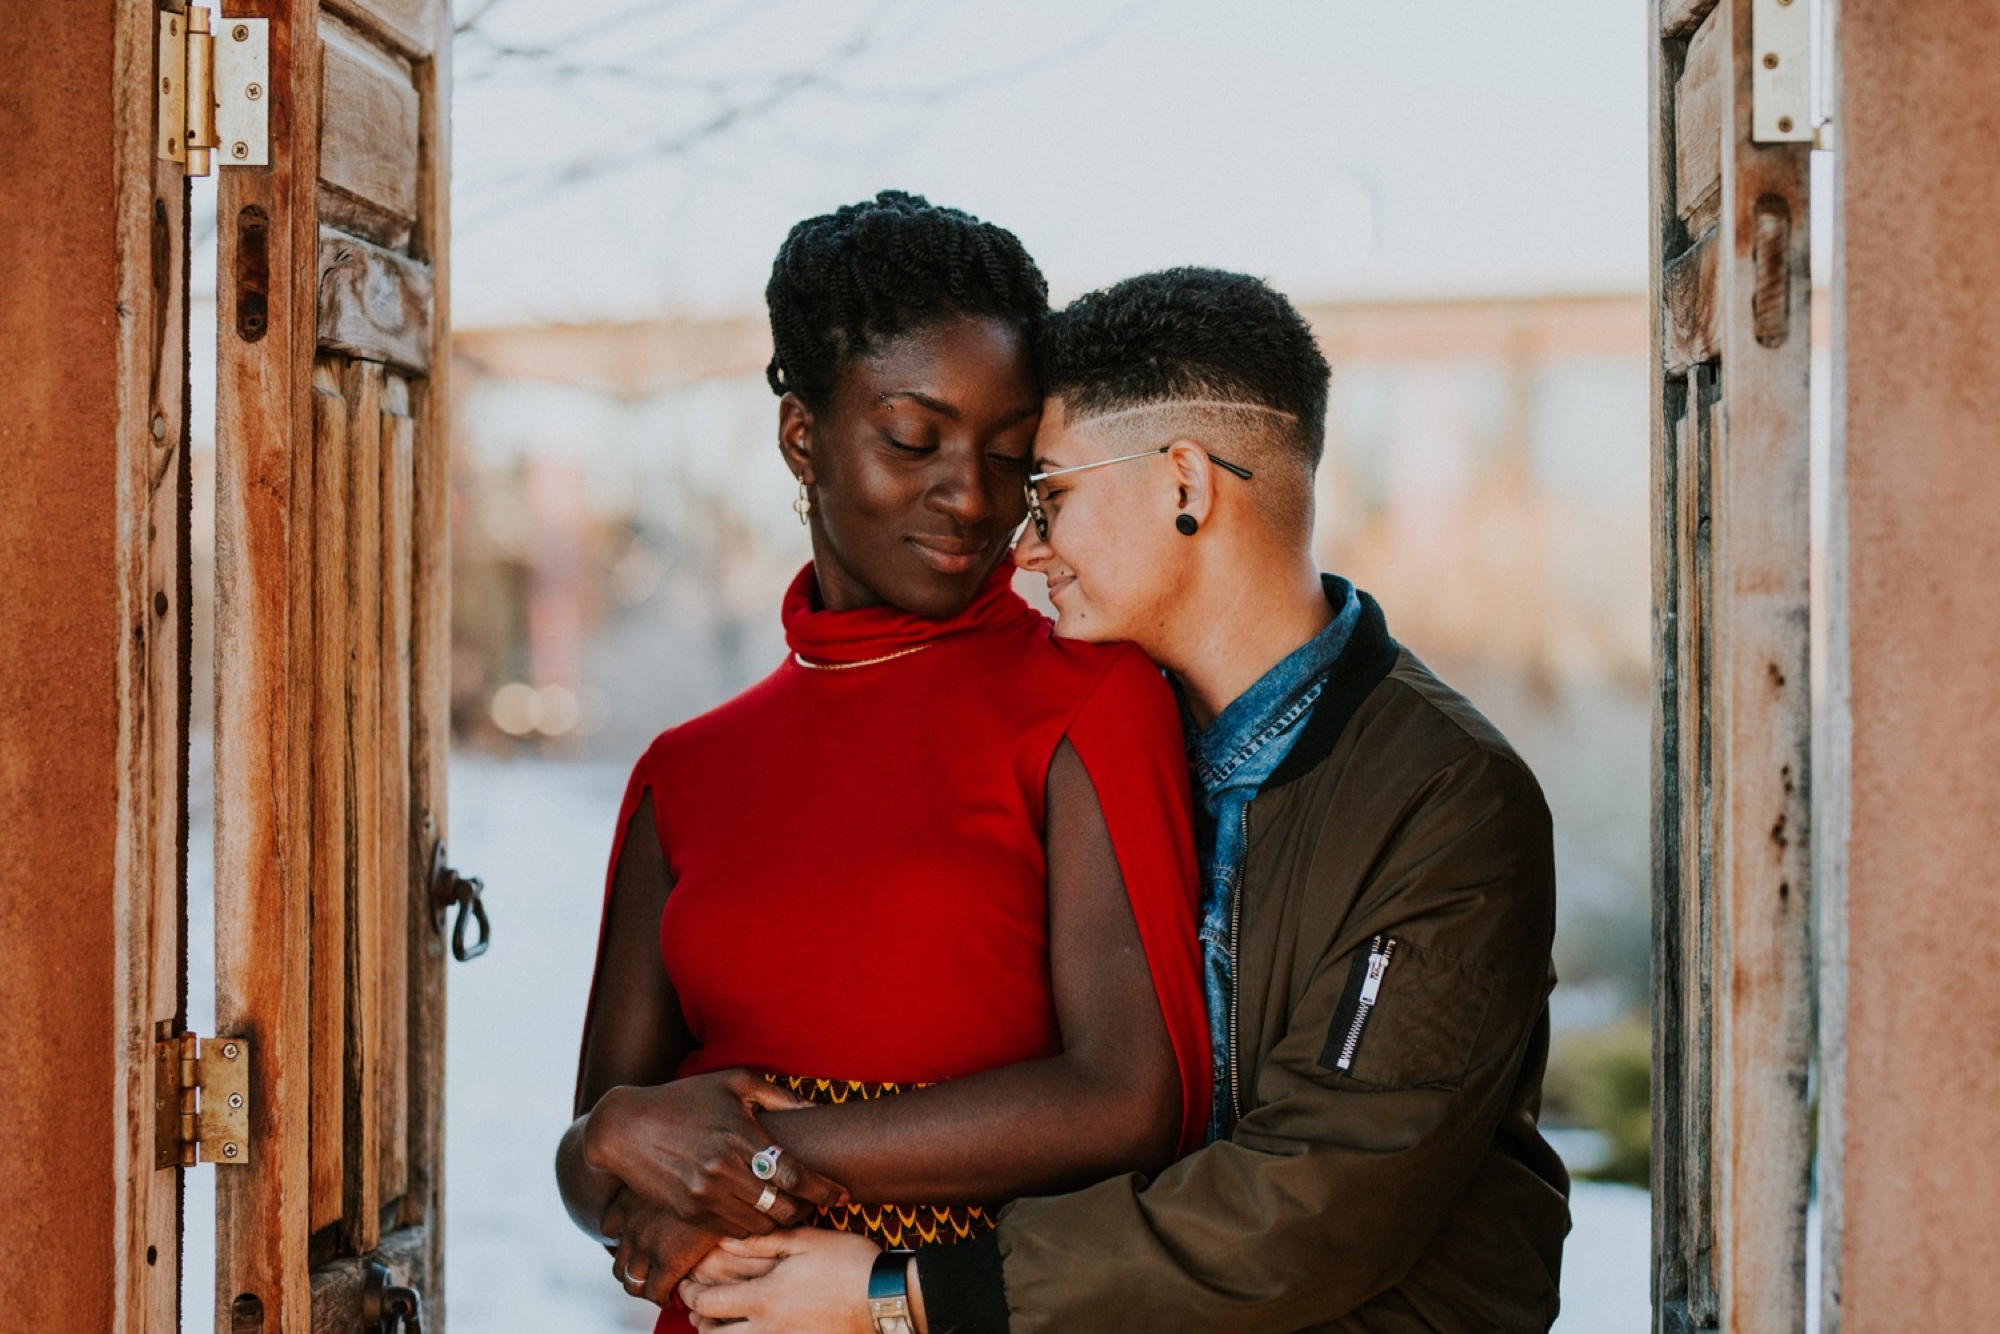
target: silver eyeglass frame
<point>1039,517</point>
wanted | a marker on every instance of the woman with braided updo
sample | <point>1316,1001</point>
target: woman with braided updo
<point>905,930</point>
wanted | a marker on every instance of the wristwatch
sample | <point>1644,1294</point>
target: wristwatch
<point>889,1293</point>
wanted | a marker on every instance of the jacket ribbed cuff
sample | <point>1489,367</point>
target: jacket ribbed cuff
<point>964,1291</point>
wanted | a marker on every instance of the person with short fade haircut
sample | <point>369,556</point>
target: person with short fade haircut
<point>1378,890</point>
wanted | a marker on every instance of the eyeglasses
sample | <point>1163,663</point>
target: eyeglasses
<point>1040,518</point>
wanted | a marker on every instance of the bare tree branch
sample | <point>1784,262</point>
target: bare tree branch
<point>738,101</point>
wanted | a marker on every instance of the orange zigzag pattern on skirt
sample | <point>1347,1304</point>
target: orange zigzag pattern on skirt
<point>892,1226</point>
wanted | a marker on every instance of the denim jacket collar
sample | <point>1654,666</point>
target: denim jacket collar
<point>1274,704</point>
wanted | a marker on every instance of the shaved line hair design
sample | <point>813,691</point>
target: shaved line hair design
<point>1177,404</point>
<point>1225,350</point>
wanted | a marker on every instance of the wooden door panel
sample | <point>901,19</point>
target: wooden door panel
<point>1698,112</point>
<point>366,760</point>
<point>374,303</point>
<point>361,517</point>
<point>369,139</point>
<point>402,896</point>
<point>410,27</point>
<point>332,806</point>
<point>153,673</point>
<point>343,732</point>
<point>1732,1001</point>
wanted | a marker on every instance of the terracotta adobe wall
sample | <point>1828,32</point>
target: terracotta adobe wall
<point>59,632</point>
<point>1919,150</point>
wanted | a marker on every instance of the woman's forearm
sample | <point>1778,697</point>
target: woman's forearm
<point>586,1190</point>
<point>1023,1129</point>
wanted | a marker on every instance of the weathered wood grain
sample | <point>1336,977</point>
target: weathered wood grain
<point>396,886</point>
<point>430,668</point>
<point>362,1213</point>
<point>1763,976</point>
<point>1678,18</point>
<point>1698,123</point>
<point>264,626</point>
<point>319,617</point>
<point>1731,554</point>
<point>1690,301</point>
<point>336,1288</point>
<point>1696,822</point>
<point>331,839</point>
<point>153,670</point>
<point>411,28</point>
<point>373,303</point>
<point>370,146</point>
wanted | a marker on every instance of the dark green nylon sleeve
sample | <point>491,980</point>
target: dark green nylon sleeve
<point>1334,1184</point>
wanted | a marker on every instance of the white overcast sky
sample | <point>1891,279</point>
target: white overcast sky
<point>1339,147</point>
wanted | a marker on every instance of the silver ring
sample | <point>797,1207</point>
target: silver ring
<point>766,1200</point>
<point>764,1163</point>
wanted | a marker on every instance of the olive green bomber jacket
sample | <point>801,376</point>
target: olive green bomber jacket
<point>1409,1190</point>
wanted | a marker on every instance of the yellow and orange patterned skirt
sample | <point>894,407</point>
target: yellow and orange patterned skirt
<point>892,1226</point>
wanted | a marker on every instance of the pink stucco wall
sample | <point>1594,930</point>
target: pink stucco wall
<point>1919,168</point>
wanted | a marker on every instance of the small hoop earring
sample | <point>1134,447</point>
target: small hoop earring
<point>1186,523</point>
<point>803,506</point>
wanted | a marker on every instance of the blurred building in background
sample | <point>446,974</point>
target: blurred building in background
<point>623,531</point>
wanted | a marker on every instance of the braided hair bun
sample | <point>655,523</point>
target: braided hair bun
<point>867,272</point>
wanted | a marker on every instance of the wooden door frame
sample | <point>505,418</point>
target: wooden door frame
<point>93,664</point>
<point>1733,983</point>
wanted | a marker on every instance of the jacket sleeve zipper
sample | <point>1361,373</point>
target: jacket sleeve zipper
<point>1235,981</point>
<point>1380,949</point>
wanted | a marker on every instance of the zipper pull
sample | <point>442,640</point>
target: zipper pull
<point>1380,950</point>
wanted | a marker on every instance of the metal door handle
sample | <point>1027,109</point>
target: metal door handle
<point>449,888</point>
<point>387,1308</point>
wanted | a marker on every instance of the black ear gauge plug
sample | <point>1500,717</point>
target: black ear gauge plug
<point>1186,523</point>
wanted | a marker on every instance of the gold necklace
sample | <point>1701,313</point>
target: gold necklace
<point>865,662</point>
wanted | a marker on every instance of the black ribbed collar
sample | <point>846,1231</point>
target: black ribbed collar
<point>1364,664</point>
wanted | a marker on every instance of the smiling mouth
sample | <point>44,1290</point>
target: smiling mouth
<point>950,555</point>
<point>1059,583</point>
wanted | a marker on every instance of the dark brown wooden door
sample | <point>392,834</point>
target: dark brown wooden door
<point>331,645</point>
<point>1732,985</point>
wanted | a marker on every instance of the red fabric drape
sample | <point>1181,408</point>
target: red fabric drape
<point>859,879</point>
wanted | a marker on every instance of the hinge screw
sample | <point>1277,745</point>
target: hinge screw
<point>229,1151</point>
<point>253,91</point>
<point>228,1051</point>
<point>242,33</point>
<point>1784,125</point>
<point>236,1100</point>
<point>1771,60</point>
<point>239,149</point>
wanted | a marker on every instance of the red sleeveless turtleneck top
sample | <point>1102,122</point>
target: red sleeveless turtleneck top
<point>859,886</point>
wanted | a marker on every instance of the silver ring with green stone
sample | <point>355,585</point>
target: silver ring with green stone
<point>764,1163</point>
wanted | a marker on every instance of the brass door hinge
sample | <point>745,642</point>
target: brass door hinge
<point>215,91</point>
<point>201,1100</point>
